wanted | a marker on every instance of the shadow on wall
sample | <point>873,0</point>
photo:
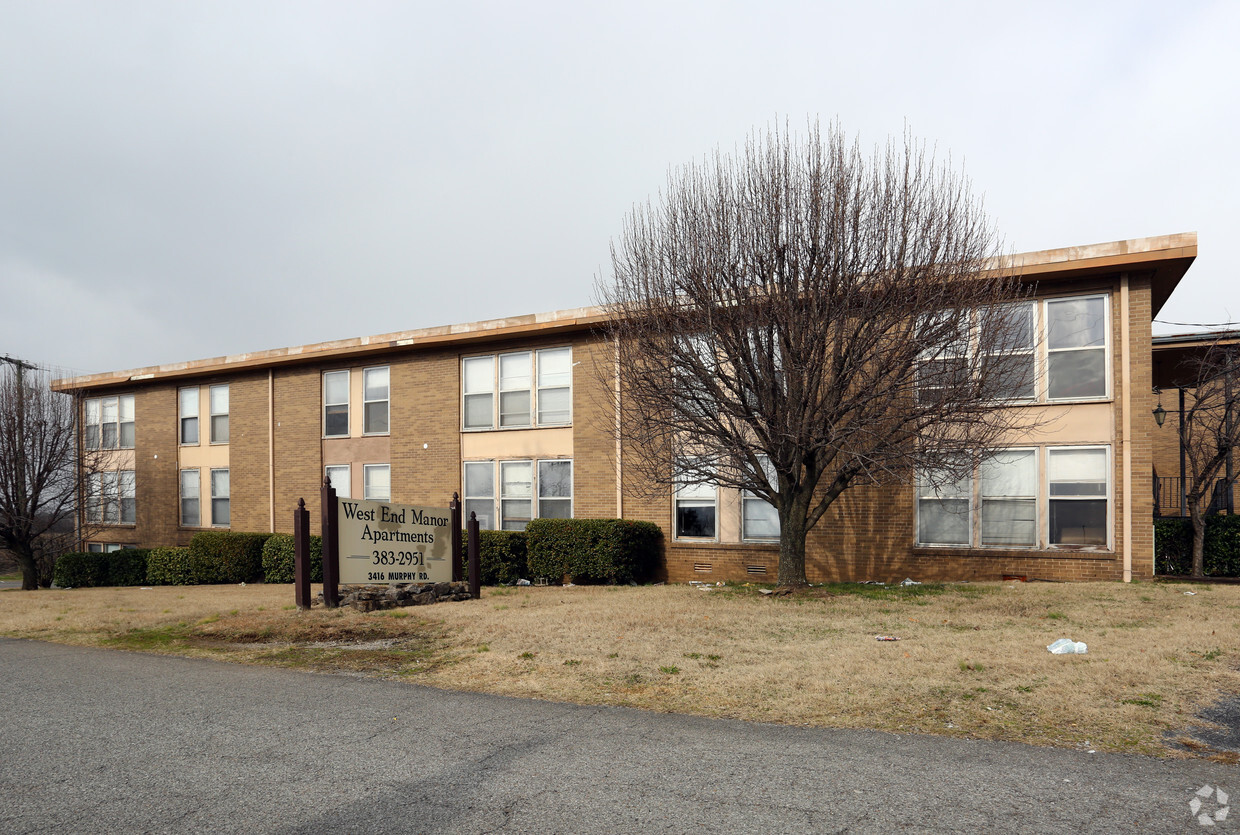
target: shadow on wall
<point>864,535</point>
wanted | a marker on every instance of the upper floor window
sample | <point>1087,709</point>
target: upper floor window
<point>109,422</point>
<point>189,416</point>
<point>219,414</point>
<point>375,401</point>
<point>1076,339</point>
<point>336,404</point>
<point>534,389</point>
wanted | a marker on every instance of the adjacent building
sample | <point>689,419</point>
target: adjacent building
<point>514,415</point>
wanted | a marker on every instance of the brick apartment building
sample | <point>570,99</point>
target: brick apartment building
<point>511,414</point>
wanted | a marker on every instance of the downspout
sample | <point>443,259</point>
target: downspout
<point>619,469</point>
<point>1126,382</point>
<point>271,449</point>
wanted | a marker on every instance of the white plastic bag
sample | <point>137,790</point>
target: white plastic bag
<point>1066,646</point>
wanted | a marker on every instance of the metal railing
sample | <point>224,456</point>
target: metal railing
<point>1167,497</point>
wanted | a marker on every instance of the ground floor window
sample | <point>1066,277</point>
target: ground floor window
<point>190,490</point>
<point>1020,498</point>
<point>340,476</point>
<point>113,498</point>
<point>104,547</point>
<point>377,480</point>
<point>220,502</point>
<point>696,509</point>
<point>759,518</point>
<point>533,489</point>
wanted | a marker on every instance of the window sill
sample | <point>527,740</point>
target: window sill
<point>472,430</point>
<point>1049,552</point>
<point>113,525</point>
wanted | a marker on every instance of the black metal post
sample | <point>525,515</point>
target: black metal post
<point>457,568</point>
<point>475,564</point>
<point>301,554</point>
<point>331,546</point>
<point>1183,468</point>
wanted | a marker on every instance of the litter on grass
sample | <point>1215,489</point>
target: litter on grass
<point>1190,592</point>
<point>886,638</point>
<point>523,582</point>
<point>1066,646</point>
<point>908,581</point>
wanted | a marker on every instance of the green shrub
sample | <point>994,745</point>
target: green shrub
<point>127,567</point>
<point>501,557</point>
<point>80,571</point>
<point>1173,546</point>
<point>593,550</point>
<point>170,567</point>
<point>227,556</point>
<point>278,559</point>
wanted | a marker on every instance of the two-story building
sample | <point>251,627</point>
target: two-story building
<point>514,415</point>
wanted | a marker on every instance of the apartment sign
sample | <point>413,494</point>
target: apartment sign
<point>392,543</point>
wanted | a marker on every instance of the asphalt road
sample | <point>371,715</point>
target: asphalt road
<point>99,741</point>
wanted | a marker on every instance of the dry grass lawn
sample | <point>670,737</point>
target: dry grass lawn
<point>971,661</point>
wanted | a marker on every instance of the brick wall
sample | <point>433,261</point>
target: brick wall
<point>248,454</point>
<point>425,411</point>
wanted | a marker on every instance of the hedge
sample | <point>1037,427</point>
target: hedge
<point>227,557</point>
<point>278,559</point>
<point>80,570</point>
<point>171,567</point>
<point>126,567</point>
<point>1173,546</point>
<point>593,550</point>
<point>501,557</point>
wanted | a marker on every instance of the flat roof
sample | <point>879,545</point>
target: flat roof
<point>1168,256</point>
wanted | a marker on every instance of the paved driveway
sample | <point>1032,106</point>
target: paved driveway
<point>98,741</point>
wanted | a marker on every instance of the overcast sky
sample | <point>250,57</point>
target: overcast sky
<point>186,180</point>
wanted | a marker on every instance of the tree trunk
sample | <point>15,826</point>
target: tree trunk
<point>30,572</point>
<point>1199,538</point>
<point>792,532</point>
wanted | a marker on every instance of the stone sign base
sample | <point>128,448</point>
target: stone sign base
<point>370,598</point>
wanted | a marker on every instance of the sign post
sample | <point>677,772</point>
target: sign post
<point>301,554</point>
<point>331,550</point>
<point>457,567</point>
<point>475,563</point>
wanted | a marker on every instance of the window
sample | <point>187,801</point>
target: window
<point>219,414</point>
<point>945,365</point>
<point>219,499</point>
<point>759,518</point>
<point>191,488</point>
<point>189,416</point>
<point>527,490</point>
<point>1009,487</point>
<point>109,422</point>
<point>104,547</point>
<point>339,475</point>
<point>516,492</point>
<point>695,509</point>
<point>555,376</point>
<point>377,482</point>
<point>480,492</point>
<point>478,374</point>
<point>534,388</point>
<point>1078,496</point>
<point>375,405</point>
<point>943,504</point>
<point>1076,348</point>
<point>113,498</point>
<point>1011,327</point>
<point>555,489</point>
<point>514,389</point>
<point>336,404</point>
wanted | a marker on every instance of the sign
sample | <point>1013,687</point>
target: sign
<point>393,543</point>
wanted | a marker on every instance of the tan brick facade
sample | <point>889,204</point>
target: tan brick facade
<point>277,450</point>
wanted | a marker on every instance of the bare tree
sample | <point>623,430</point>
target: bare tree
<point>798,319</point>
<point>1210,430</point>
<point>39,471</point>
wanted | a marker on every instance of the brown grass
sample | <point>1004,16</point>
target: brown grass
<point>971,660</point>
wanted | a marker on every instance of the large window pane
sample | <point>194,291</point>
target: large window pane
<point>220,509</point>
<point>1076,374</point>
<point>1076,323</point>
<point>127,490</point>
<point>516,493</point>
<point>514,387</point>
<point>761,520</point>
<point>943,516</point>
<point>340,476</point>
<point>336,404</point>
<point>1076,348</point>
<point>695,518</point>
<point>554,381</point>
<point>1079,522</point>
<point>555,489</point>
<point>1078,481</point>
<point>111,415</point>
<point>478,380</point>
<point>378,482</point>
<point>219,414</point>
<point>190,489</point>
<point>189,415</point>
<point>375,395</point>
<point>480,492</point>
<point>1009,483</point>
<point>126,422</point>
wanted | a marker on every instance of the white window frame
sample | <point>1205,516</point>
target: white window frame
<point>504,498</point>
<point>475,497</point>
<point>327,404</point>
<point>1035,360</point>
<point>1105,347</point>
<point>1036,496</point>
<point>528,388</point>
<point>495,393</point>
<point>368,493</point>
<point>695,494</point>
<point>182,394</point>
<point>225,497</point>
<point>930,492</point>
<point>1108,523</point>
<point>346,479</point>
<point>748,497</point>
<point>196,481</point>
<point>118,405</point>
<point>387,401</point>
<point>211,410</point>
<point>539,498</point>
<point>107,494</point>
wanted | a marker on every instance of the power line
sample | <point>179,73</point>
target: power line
<point>1197,324</point>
